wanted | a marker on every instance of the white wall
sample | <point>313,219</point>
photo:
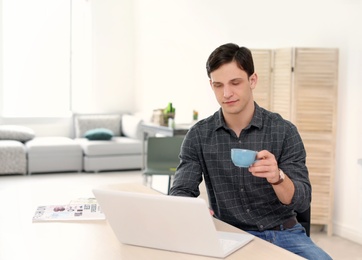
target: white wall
<point>1,56</point>
<point>102,69</point>
<point>174,39</point>
<point>103,63</point>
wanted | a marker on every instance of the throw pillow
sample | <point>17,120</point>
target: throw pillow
<point>131,126</point>
<point>99,134</point>
<point>16,133</point>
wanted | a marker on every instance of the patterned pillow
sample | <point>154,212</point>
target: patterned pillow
<point>16,133</point>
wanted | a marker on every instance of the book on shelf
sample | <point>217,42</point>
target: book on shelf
<point>78,209</point>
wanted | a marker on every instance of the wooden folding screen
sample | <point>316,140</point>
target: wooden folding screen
<point>263,66</point>
<point>303,89</point>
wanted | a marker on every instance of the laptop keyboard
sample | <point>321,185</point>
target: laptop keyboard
<point>227,244</point>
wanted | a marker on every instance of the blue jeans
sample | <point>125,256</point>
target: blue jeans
<point>294,240</point>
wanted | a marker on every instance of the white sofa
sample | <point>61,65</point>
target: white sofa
<point>22,152</point>
<point>122,151</point>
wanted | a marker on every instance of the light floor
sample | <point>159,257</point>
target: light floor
<point>60,188</point>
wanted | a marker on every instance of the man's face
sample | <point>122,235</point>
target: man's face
<point>233,88</point>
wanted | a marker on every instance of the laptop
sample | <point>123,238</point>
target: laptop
<point>180,224</point>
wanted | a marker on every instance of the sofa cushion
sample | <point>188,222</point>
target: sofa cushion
<point>99,134</point>
<point>131,126</point>
<point>52,144</point>
<point>84,123</point>
<point>54,154</point>
<point>12,157</point>
<point>115,146</point>
<point>16,133</point>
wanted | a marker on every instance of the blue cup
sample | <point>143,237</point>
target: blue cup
<point>243,157</point>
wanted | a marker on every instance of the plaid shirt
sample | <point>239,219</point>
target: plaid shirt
<point>235,195</point>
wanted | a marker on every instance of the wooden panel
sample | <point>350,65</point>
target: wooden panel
<point>314,109</point>
<point>304,91</point>
<point>262,64</point>
<point>315,89</point>
<point>320,154</point>
<point>321,211</point>
<point>282,82</point>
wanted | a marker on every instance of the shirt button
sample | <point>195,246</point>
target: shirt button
<point>248,210</point>
<point>239,142</point>
<point>242,189</point>
<point>261,226</point>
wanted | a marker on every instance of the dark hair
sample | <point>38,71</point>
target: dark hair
<point>230,52</point>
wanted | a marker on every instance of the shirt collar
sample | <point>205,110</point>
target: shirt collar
<point>256,121</point>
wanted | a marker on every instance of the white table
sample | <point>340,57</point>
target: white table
<point>21,239</point>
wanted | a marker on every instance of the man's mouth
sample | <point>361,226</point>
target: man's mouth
<point>229,102</point>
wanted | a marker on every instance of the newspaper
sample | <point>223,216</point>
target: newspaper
<point>78,209</point>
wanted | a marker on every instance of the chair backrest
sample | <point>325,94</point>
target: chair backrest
<point>163,153</point>
<point>304,219</point>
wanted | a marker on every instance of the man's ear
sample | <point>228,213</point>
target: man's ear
<point>253,80</point>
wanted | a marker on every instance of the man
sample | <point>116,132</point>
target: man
<point>264,198</point>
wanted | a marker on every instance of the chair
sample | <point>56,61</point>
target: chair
<point>304,219</point>
<point>162,157</point>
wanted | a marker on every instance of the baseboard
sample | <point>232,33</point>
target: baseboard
<point>348,233</point>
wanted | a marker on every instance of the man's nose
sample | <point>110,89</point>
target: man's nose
<point>227,92</point>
